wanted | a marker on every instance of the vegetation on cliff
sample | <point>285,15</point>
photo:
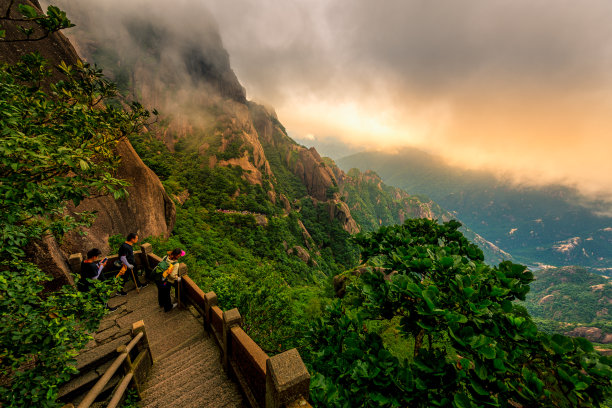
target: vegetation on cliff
<point>57,147</point>
<point>469,343</point>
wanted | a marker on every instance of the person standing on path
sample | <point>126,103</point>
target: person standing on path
<point>165,275</point>
<point>126,256</point>
<point>91,269</point>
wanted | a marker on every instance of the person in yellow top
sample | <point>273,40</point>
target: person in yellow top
<point>165,275</point>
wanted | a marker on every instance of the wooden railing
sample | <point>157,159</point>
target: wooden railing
<point>270,382</point>
<point>134,371</point>
<point>267,382</point>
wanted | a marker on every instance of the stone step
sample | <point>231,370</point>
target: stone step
<point>182,387</point>
<point>171,367</point>
<point>76,386</point>
<point>178,333</point>
<point>193,341</point>
<point>193,371</point>
<point>227,395</point>
<point>101,354</point>
<point>104,394</point>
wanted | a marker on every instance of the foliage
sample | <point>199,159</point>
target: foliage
<point>33,25</point>
<point>57,146</point>
<point>41,333</point>
<point>131,400</point>
<point>471,346</point>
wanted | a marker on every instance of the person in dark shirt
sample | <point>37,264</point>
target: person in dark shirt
<point>126,256</point>
<point>91,269</point>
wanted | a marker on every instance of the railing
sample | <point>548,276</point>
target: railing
<point>267,382</point>
<point>134,372</point>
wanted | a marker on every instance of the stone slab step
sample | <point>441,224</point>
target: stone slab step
<point>178,364</point>
<point>101,354</point>
<point>84,381</point>
<point>182,387</point>
<point>194,372</point>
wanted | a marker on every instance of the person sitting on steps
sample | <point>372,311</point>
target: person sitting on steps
<point>126,256</point>
<point>91,269</point>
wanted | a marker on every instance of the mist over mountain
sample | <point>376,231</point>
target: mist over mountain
<point>549,225</point>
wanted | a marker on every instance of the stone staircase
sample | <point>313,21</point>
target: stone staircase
<point>189,376</point>
<point>187,370</point>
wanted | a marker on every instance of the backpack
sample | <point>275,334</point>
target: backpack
<point>162,270</point>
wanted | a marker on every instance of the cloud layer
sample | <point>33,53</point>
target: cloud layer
<point>520,86</point>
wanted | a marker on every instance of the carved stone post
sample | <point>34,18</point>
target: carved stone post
<point>231,318</point>
<point>145,250</point>
<point>210,301</point>
<point>74,261</point>
<point>138,327</point>
<point>287,379</point>
<point>144,360</point>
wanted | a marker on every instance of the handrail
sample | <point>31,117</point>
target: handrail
<point>120,391</point>
<point>272,382</point>
<point>99,386</point>
<point>134,341</point>
<point>97,389</point>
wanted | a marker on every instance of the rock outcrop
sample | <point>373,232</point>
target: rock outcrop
<point>148,209</point>
<point>593,334</point>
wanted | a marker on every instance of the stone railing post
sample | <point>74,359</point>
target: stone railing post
<point>287,379</point>
<point>231,318</point>
<point>210,301</point>
<point>143,344</point>
<point>142,369</point>
<point>74,261</point>
<point>145,250</point>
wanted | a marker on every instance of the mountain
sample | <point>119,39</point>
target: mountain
<point>574,301</point>
<point>538,225</point>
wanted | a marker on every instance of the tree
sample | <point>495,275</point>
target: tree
<point>57,145</point>
<point>33,25</point>
<point>470,344</point>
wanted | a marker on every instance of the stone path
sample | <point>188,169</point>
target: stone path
<point>187,370</point>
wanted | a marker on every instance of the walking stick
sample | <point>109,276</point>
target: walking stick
<point>135,283</point>
<point>178,290</point>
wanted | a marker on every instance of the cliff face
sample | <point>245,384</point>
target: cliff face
<point>148,209</point>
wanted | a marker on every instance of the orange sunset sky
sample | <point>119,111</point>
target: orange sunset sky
<point>522,87</point>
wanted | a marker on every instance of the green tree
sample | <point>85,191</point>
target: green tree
<point>31,24</point>
<point>57,146</point>
<point>470,344</point>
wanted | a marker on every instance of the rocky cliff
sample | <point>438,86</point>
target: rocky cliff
<point>148,209</point>
<point>188,76</point>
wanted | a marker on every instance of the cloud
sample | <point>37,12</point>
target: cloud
<point>515,86</point>
<point>521,87</point>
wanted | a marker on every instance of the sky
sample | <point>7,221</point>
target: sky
<point>522,88</point>
<point>519,87</point>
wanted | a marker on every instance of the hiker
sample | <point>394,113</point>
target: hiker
<point>91,269</point>
<point>126,257</point>
<point>165,275</point>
